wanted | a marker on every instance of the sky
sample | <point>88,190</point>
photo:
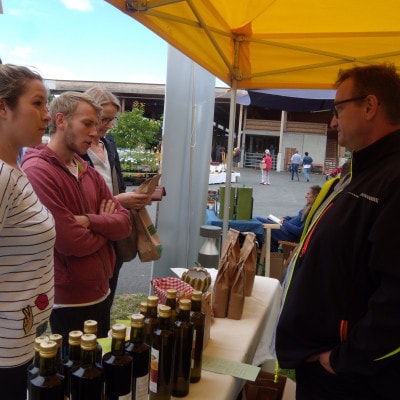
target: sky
<point>80,40</point>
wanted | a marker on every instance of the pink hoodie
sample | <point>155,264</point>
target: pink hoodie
<point>84,258</point>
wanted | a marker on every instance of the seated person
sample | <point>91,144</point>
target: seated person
<point>292,227</point>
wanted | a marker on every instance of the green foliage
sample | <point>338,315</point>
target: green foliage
<point>133,129</point>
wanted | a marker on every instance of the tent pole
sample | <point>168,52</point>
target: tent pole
<point>239,136</point>
<point>232,112</point>
<point>279,166</point>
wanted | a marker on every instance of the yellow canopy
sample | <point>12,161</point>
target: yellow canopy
<point>275,43</point>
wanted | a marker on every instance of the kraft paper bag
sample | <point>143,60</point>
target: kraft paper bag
<point>237,295</point>
<point>248,259</point>
<point>226,273</point>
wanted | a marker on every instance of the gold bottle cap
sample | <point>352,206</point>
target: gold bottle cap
<point>118,331</point>
<point>164,311</point>
<point>55,337</point>
<point>48,349</point>
<point>90,326</point>
<point>137,320</point>
<point>39,340</point>
<point>152,301</point>
<point>143,307</point>
<point>88,341</point>
<point>197,295</point>
<point>74,337</point>
<point>185,304</point>
<point>171,293</point>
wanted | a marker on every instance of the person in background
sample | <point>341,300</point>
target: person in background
<point>339,326</point>
<point>307,164</point>
<point>103,156</point>
<point>267,160</point>
<point>27,233</point>
<point>236,156</point>
<point>88,218</point>
<point>295,159</point>
<point>292,227</point>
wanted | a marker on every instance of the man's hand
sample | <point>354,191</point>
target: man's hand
<point>323,359</point>
<point>82,220</point>
<point>107,207</point>
<point>134,200</point>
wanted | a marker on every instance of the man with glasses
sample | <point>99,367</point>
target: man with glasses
<point>340,323</point>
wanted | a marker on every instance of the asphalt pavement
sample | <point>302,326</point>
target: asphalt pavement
<point>282,197</point>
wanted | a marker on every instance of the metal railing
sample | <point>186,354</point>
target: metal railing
<point>252,160</point>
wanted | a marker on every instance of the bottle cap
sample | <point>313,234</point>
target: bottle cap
<point>74,338</point>
<point>39,340</point>
<point>48,349</point>
<point>197,295</point>
<point>185,304</point>
<point>171,293</point>
<point>143,307</point>
<point>55,337</point>
<point>164,311</point>
<point>88,341</point>
<point>137,320</point>
<point>152,301</point>
<point>118,331</point>
<point>90,326</point>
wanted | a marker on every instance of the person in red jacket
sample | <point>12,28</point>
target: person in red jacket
<point>87,217</point>
<point>267,160</point>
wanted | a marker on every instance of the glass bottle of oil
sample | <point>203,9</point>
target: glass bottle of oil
<point>140,353</point>
<point>33,369</point>
<point>171,302</point>
<point>143,308</point>
<point>87,379</point>
<point>72,360</point>
<point>55,337</point>
<point>198,318</point>
<point>161,357</point>
<point>48,384</point>
<point>183,330</point>
<point>90,327</point>
<point>150,322</point>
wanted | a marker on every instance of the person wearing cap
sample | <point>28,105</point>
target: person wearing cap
<point>265,168</point>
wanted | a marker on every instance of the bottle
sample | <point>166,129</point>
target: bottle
<point>72,360</point>
<point>90,326</point>
<point>55,337</point>
<point>143,308</point>
<point>198,318</point>
<point>117,366</point>
<point>150,322</point>
<point>171,302</point>
<point>33,369</point>
<point>183,330</point>
<point>161,357</point>
<point>48,384</point>
<point>140,353</point>
<point>87,379</point>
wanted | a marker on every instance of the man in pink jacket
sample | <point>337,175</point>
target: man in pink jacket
<point>88,218</point>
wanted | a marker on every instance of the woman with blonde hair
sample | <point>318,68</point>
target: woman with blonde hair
<point>27,233</point>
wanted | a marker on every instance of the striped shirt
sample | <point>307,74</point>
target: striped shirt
<point>27,237</point>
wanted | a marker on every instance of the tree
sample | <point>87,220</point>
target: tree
<point>133,129</point>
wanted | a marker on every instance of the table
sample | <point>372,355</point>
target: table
<point>250,225</point>
<point>221,177</point>
<point>246,340</point>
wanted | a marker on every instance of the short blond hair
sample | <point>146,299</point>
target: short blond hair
<point>103,97</point>
<point>67,103</point>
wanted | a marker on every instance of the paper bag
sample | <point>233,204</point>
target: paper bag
<point>236,296</point>
<point>126,249</point>
<point>248,260</point>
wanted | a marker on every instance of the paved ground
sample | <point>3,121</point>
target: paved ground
<point>282,197</point>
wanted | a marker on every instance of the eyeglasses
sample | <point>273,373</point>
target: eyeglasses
<point>105,121</point>
<point>334,109</point>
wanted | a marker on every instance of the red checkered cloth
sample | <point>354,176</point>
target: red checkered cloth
<point>160,286</point>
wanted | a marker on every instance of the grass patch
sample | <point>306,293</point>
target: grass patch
<point>126,304</point>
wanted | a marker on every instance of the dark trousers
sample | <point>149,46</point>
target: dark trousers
<point>13,382</point>
<point>113,287</point>
<point>313,382</point>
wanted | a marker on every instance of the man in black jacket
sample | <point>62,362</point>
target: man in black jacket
<point>340,324</point>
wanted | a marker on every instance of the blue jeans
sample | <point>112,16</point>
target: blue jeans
<point>306,174</point>
<point>295,169</point>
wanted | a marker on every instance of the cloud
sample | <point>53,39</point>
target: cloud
<point>50,71</point>
<point>142,78</point>
<point>81,5</point>
<point>21,52</point>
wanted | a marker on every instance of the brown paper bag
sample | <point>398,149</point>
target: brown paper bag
<point>206,307</point>
<point>236,297</point>
<point>248,259</point>
<point>226,273</point>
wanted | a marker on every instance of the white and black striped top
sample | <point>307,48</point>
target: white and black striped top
<point>27,237</point>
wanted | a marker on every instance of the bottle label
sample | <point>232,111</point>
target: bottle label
<point>193,348</point>
<point>154,360</point>
<point>142,388</point>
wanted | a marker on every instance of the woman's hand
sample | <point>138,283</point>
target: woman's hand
<point>134,200</point>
